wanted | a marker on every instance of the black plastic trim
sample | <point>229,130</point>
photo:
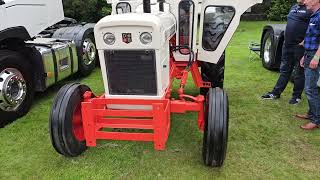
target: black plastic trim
<point>54,57</point>
<point>25,5</point>
<point>71,59</point>
<point>18,32</point>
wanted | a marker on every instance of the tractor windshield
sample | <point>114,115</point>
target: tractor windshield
<point>186,14</point>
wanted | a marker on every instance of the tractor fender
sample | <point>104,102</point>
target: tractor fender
<point>278,39</point>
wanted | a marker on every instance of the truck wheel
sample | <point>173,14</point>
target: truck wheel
<point>213,73</point>
<point>89,55</point>
<point>268,59</point>
<point>65,122</point>
<point>16,89</point>
<point>215,135</point>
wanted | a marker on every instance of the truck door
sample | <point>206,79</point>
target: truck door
<point>218,21</point>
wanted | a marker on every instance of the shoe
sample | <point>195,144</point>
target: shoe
<point>270,95</point>
<point>309,126</point>
<point>295,101</point>
<point>302,116</point>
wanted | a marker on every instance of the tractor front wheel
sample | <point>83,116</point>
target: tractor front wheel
<point>65,123</point>
<point>216,128</point>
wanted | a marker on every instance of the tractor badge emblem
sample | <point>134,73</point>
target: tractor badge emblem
<point>126,38</point>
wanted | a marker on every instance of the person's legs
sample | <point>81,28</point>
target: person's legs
<point>312,92</point>
<point>299,74</point>
<point>286,68</point>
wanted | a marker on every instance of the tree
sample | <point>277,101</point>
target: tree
<point>279,9</point>
<point>86,10</point>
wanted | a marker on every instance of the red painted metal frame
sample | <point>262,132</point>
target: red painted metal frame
<point>98,118</point>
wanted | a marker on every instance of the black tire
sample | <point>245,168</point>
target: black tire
<point>86,69</point>
<point>12,59</point>
<point>213,73</point>
<point>267,51</point>
<point>63,138</point>
<point>213,31</point>
<point>215,135</point>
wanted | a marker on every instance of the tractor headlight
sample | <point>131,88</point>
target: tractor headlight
<point>146,38</point>
<point>109,38</point>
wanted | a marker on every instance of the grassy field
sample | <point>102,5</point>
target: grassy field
<point>265,141</point>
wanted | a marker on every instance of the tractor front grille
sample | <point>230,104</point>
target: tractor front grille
<point>131,72</point>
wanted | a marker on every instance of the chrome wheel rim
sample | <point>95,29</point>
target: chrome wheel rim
<point>89,51</point>
<point>13,89</point>
<point>267,51</point>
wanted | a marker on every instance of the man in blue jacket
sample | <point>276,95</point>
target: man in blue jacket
<point>298,19</point>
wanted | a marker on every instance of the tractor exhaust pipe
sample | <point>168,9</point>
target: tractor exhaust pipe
<point>146,6</point>
<point>161,8</point>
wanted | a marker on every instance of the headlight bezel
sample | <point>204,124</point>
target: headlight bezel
<point>109,38</point>
<point>146,38</point>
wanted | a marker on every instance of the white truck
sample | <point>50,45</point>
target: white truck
<point>38,47</point>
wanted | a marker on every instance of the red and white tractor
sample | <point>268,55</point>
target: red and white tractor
<point>143,47</point>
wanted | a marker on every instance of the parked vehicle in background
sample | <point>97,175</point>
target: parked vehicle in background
<point>272,40</point>
<point>38,47</point>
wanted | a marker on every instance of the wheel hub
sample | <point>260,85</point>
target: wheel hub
<point>267,51</point>
<point>89,51</point>
<point>13,89</point>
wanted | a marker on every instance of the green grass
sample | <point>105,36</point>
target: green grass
<point>265,141</point>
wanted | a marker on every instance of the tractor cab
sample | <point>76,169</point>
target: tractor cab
<point>206,26</point>
<point>150,32</point>
<point>143,47</point>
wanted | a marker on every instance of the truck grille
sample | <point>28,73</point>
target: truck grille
<point>131,72</point>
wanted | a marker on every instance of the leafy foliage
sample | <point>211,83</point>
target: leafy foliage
<point>279,9</point>
<point>86,10</point>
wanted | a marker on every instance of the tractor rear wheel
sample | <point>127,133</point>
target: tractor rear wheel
<point>216,128</point>
<point>65,122</point>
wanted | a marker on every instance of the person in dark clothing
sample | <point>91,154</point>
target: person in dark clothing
<point>292,51</point>
<point>310,62</point>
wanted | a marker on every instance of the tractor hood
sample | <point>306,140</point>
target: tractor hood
<point>161,26</point>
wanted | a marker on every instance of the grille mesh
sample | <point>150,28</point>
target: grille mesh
<point>131,72</point>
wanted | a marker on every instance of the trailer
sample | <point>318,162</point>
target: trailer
<point>38,48</point>
<point>143,47</point>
